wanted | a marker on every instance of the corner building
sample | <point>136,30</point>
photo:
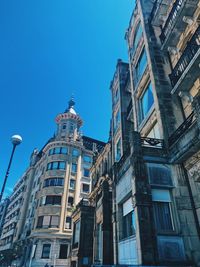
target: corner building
<point>62,179</point>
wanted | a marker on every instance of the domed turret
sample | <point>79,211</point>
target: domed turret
<point>69,122</point>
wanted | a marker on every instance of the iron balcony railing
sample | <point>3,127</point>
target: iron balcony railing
<point>188,54</point>
<point>171,19</point>
<point>152,142</point>
<point>181,129</point>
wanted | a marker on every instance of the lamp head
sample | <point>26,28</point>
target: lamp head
<point>16,139</point>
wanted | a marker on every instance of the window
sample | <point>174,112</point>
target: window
<point>85,188</point>
<point>58,150</point>
<point>159,174</point>
<point>48,221</point>
<point>72,184</point>
<point>53,200</point>
<point>63,251</point>
<point>46,251</point>
<point>68,224</point>
<point>75,152</point>
<point>70,201</point>
<point>137,38</point>
<point>146,101</point>
<point>155,132</point>
<point>140,67</point>
<point>74,167</point>
<point>40,221</point>
<point>87,159</point>
<point>162,210</point>
<point>86,172</point>
<point>64,126</point>
<point>118,150</point>
<point>116,96</point>
<point>53,182</point>
<point>56,165</point>
<point>117,119</point>
<point>98,252</point>
<point>128,219</point>
<point>76,233</point>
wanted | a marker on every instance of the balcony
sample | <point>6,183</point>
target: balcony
<point>175,25</point>
<point>186,70</point>
<point>5,247</point>
<point>153,147</point>
<point>185,141</point>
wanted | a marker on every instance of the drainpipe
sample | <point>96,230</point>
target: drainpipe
<point>192,200</point>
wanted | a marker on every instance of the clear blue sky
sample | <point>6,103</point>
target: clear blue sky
<point>49,49</point>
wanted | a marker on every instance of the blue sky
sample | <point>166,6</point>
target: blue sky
<point>50,49</point>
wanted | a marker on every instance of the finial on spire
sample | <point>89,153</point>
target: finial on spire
<point>71,102</point>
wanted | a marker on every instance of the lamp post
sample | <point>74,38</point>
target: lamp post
<point>16,140</point>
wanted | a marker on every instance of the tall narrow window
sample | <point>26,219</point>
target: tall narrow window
<point>46,251</point>
<point>140,67</point>
<point>128,219</point>
<point>99,242</point>
<point>74,167</point>
<point>162,210</point>
<point>68,224</point>
<point>162,216</point>
<point>146,101</point>
<point>72,184</point>
<point>86,172</point>
<point>76,233</point>
<point>118,150</point>
<point>70,201</point>
<point>137,37</point>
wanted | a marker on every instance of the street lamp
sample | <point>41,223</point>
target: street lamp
<point>16,140</point>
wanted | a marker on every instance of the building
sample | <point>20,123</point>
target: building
<point>82,240</point>
<point>62,179</point>
<point>3,209</point>
<point>11,235</point>
<point>39,213</point>
<point>156,198</point>
<point>92,241</point>
<point>155,141</point>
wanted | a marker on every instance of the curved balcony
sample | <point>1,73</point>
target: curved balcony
<point>186,70</point>
<point>185,141</point>
<point>175,24</point>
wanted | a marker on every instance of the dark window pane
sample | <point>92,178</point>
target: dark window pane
<point>68,224</point>
<point>46,251</point>
<point>147,101</point>
<point>162,216</point>
<point>40,221</point>
<point>70,201</point>
<point>86,188</point>
<point>63,251</point>
<point>86,172</point>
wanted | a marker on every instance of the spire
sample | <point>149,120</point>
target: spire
<point>71,104</point>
